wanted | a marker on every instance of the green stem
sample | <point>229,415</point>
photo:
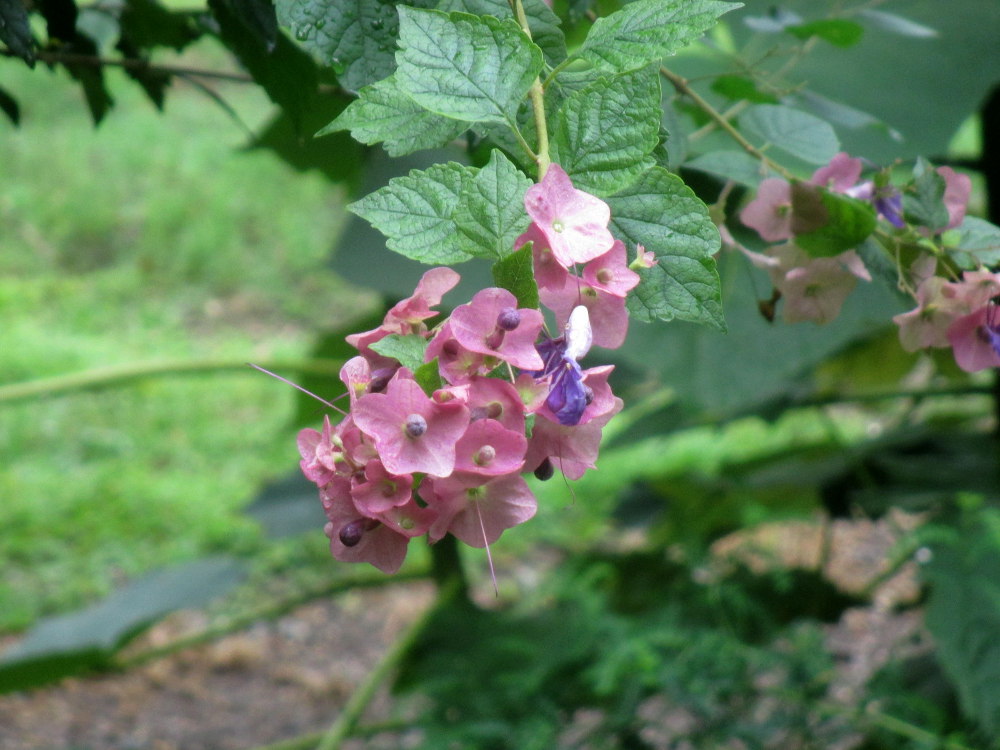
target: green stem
<point>684,88</point>
<point>346,723</point>
<point>119,375</point>
<point>537,95</point>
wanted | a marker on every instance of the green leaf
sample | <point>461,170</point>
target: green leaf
<point>9,106</point>
<point>740,87</point>
<point>15,30</point>
<point>516,274</point>
<point>415,213</point>
<point>837,31</point>
<point>963,615</point>
<point>646,31</point>
<point>977,244</point>
<point>356,38</point>
<point>544,24</point>
<point>257,17</point>
<point>603,135</point>
<point>924,202</point>
<point>286,73</point>
<point>797,133</point>
<point>737,166</point>
<point>827,223</point>
<point>407,350</point>
<point>70,644</point>
<point>428,376</point>
<point>474,68</point>
<point>384,114</point>
<point>147,24</point>
<point>490,212</point>
<point>662,213</point>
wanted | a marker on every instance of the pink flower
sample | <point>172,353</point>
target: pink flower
<point>380,490</point>
<point>770,212</point>
<point>548,271</point>
<point>455,363</point>
<point>814,289</point>
<point>318,462</point>
<point>492,325</point>
<point>411,431</point>
<point>609,272</point>
<point>381,540</point>
<point>975,339</point>
<point>840,175</point>
<point>644,258</point>
<point>608,316</point>
<point>571,449</point>
<point>489,449</point>
<point>927,324</point>
<point>478,513</point>
<point>574,223</point>
<point>957,188</point>
<point>407,316</point>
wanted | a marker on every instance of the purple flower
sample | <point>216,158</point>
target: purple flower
<point>568,396</point>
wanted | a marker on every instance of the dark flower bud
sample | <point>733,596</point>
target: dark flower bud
<point>588,394</point>
<point>416,425</point>
<point>545,470</point>
<point>380,379</point>
<point>350,535</point>
<point>508,319</point>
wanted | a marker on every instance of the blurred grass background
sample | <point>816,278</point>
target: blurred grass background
<point>155,236</point>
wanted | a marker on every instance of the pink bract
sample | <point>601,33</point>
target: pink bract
<point>572,449</point>
<point>489,449</point>
<point>574,223</point>
<point>384,417</point>
<point>478,513</point>
<point>608,316</point>
<point>970,344</point>
<point>475,327</point>
<point>610,272</point>
<point>770,213</point>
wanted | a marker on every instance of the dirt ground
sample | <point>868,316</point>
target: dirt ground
<point>281,679</point>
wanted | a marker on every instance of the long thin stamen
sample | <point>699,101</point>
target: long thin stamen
<point>489,556</point>
<point>299,387</point>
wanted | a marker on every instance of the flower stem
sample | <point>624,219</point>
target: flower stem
<point>684,88</point>
<point>537,95</point>
<point>346,723</point>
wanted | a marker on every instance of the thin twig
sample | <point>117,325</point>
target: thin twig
<point>119,375</point>
<point>684,88</point>
<point>346,722</point>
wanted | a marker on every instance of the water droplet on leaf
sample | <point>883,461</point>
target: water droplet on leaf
<point>302,33</point>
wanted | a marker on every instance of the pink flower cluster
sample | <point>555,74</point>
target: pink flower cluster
<point>814,289</point>
<point>509,399</point>
<point>960,314</point>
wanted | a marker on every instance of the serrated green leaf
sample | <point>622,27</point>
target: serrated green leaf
<point>473,68</point>
<point>516,274</point>
<point>544,24</point>
<point>924,202</point>
<point>979,239</point>
<point>837,31</point>
<point>490,212</point>
<point>737,166</point>
<point>604,134</point>
<point>407,350</point>
<point>15,29</point>
<point>146,24</point>
<point>662,213</point>
<point>646,31</point>
<point>356,38</point>
<point>415,213</point>
<point>797,133</point>
<point>827,223</point>
<point>384,114</point>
